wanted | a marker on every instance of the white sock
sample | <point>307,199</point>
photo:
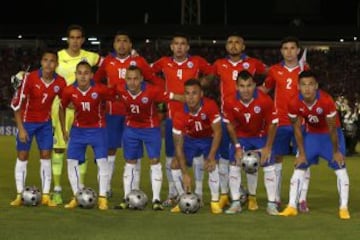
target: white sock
<point>171,183</point>
<point>177,176</point>
<point>198,166</point>
<point>343,186</point>
<point>128,177</point>
<point>224,175</point>
<point>137,175</point>
<point>234,182</point>
<point>20,174</point>
<point>45,175</point>
<point>111,166</point>
<point>278,173</point>
<point>295,186</point>
<point>270,182</point>
<point>103,176</point>
<point>252,180</point>
<point>74,175</point>
<point>214,184</point>
<point>156,180</point>
<point>305,186</point>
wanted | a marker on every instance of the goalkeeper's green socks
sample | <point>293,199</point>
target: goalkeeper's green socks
<point>57,165</point>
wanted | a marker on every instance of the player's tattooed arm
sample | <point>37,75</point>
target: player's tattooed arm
<point>296,122</point>
<point>180,156</point>
<point>238,149</point>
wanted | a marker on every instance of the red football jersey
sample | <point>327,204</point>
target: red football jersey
<point>197,125</point>
<point>176,74</point>
<point>251,119</point>
<point>316,114</point>
<point>285,82</point>
<point>141,111</point>
<point>89,105</point>
<point>34,97</point>
<point>114,70</point>
<point>228,72</point>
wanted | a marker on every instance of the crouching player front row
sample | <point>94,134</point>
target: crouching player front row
<point>88,128</point>
<point>251,122</point>
<point>32,107</point>
<point>196,131</point>
<point>324,138</point>
<point>142,127</point>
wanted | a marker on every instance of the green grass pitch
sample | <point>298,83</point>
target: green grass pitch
<point>58,223</point>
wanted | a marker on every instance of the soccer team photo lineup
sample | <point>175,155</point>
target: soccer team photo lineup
<point>205,131</point>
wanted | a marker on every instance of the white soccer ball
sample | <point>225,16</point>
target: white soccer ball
<point>189,203</point>
<point>86,198</point>
<point>250,162</point>
<point>136,199</point>
<point>31,196</point>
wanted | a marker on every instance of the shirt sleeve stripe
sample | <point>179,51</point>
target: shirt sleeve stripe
<point>292,115</point>
<point>331,114</point>
<point>175,131</point>
<point>275,121</point>
<point>216,119</point>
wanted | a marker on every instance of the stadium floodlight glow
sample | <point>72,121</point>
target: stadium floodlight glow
<point>341,40</point>
<point>355,38</point>
<point>147,40</point>
<point>64,39</point>
<point>214,41</point>
<point>95,42</point>
<point>19,36</point>
<point>92,39</point>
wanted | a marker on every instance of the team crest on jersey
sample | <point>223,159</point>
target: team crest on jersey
<point>56,88</point>
<point>94,95</point>
<point>144,100</point>
<point>203,116</point>
<point>190,64</point>
<point>257,109</point>
<point>132,63</point>
<point>319,110</point>
<point>246,65</point>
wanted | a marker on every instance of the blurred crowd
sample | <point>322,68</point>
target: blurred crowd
<point>11,61</point>
<point>349,115</point>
